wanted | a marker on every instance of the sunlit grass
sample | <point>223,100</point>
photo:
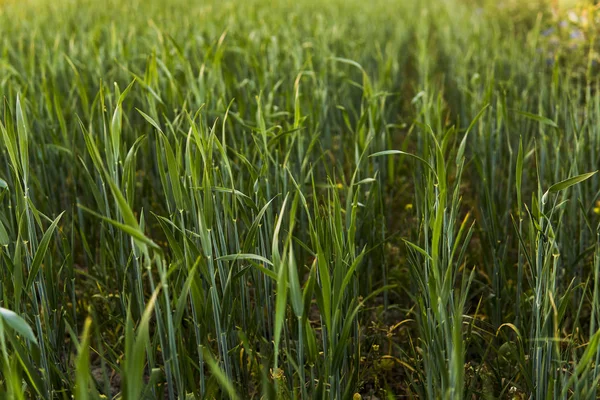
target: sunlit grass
<point>299,200</point>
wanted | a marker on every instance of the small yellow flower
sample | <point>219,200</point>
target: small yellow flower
<point>356,396</point>
<point>408,207</point>
<point>277,374</point>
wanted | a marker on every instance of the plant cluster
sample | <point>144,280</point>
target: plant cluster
<point>285,200</point>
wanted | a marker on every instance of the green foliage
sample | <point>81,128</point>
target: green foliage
<point>329,200</point>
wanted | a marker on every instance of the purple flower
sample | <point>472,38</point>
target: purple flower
<point>576,34</point>
<point>548,32</point>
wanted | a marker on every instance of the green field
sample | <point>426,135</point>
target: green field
<point>299,199</point>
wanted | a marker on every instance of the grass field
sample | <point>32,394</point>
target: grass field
<point>299,200</point>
